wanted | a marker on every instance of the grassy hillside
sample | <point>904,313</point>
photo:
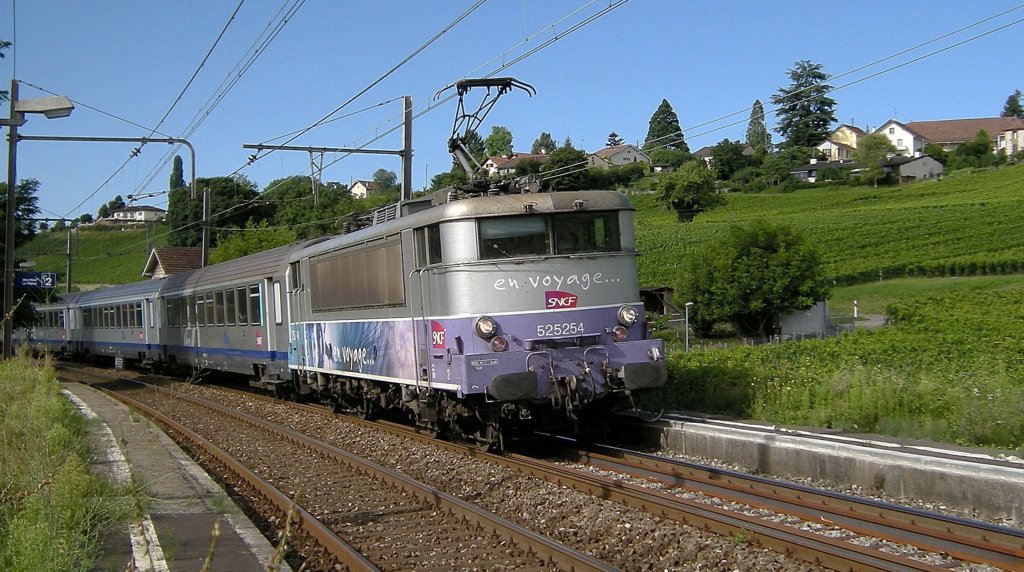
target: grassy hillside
<point>101,255</point>
<point>949,368</point>
<point>966,224</point>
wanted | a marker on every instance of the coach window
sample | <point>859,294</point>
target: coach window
<point>211,319</point>
<point>255,317</point>
<point>190,309</point>
<point>243,306</point>
<point>229,306</point>
<point>278,318</point>
<point>119,316</point>
<point>200,309</point>
<point>218,306</point>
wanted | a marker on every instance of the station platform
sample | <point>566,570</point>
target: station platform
<point>179,502</point>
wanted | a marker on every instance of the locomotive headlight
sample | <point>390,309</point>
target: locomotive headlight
<point>619,333</point>
<point>485,327</point>
<point>627,316</point>
<point>499,344</point>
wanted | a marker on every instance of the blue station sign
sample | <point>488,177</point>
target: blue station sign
<point>35,279</point>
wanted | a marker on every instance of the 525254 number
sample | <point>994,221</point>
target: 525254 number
<point>563,329</point>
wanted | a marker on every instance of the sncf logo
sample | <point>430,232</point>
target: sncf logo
<point>555,300</point>
<point>437,335</point>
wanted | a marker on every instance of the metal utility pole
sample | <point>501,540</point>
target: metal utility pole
<point>54,107</point>
<point>67,270</point>
<point>206,227</point>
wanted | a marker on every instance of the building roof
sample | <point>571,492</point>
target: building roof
<point>897,160</point>
<point>703,152</point>
<point>853,128</point>
<point>837,144</point>
<point>610,151</point>
<point>139,208</point>
<point>821,165</point>
<point>512,161</point>
<point>959,130</point>
<point>173,259</point>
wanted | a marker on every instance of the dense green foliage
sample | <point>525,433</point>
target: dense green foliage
<point>53,510</point>
<point>951,368</point>
<point>664,131</point>
<point>753,274</point>
<point>966,224</point>
<point>1012,107</point>
<point>689,190</point>
<point>757,130</point>
<point>250,240</point>
<point>232,203</point>
<point>499,142</point>
<point>806,112</point>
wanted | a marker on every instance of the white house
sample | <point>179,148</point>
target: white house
<point>506,164</point>
<point>1005,133</point>
<point>360,189</point>
<point>617,155</point>
<point>139,214</point>
<point>840,144</point>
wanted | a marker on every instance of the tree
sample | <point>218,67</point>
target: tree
<point>664,131</point>
<point>384,181</point>
<point>103,212</point>
<point>543,144</point>
<point>777,166</point>
<point>757,130</point>
<point>1013,108</point>
<point>751,276</point>
<point>805,110</point>
<point>177,180</point>
<point>232,203</point>
<point>689,190</point>
<point>674,157</point>
<point>294,206</point>
<point>254,238</point>
<point>728,157</point>
<point>872,153</point>
<point>26,208</point>
<point>935,151</point>
<point>614,140</point>
<point>499,142</point>
<point>567,167</point>
<point>975,153</point>
<point>85,218</point>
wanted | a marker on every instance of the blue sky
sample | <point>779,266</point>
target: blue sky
<point>129,60</point>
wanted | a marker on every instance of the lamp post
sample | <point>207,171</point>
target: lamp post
<point>686,325</point>
<point>53,107</point>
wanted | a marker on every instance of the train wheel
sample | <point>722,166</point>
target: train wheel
<point>488,438</point>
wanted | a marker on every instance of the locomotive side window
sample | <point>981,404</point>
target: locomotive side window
<point>428,245</point>
<point>367,276</point>
<point>509,237</point>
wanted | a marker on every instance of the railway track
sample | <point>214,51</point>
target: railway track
<point>965,540</point>
<point>351,511</point>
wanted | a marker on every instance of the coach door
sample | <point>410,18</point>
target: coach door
<point>296,347</point>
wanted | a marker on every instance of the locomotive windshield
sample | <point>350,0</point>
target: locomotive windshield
<point>539,235</point>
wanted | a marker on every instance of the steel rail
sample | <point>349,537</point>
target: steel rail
<point>960,538</point>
